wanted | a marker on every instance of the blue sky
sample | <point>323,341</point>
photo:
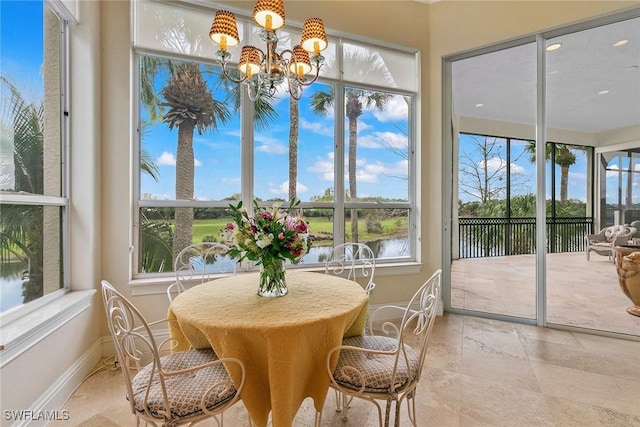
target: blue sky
<point>21,46</point>
<point>523,172</point>
<point>380,171</point>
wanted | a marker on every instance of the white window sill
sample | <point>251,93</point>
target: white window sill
<point>22,333</point>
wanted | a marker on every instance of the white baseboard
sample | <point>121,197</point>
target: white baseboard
<point>48,406</point>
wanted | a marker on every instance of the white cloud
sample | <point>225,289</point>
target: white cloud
<point>369,141</point>
<point>396,109</point>
<point>362,126</point>
<point>371,172</point>
<point>168,159</point>
<point>283,189</point>
<point>495,164</point>
<point>316,127</point>
<point>383,140</point>
<point>517,169</point>
<point>270,145</point>
<point>323,167</point>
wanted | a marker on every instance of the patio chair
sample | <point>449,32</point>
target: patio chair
<point>388,367</point>
<point>604,242</point>
<point>199,262</point>
<point>175,389</point>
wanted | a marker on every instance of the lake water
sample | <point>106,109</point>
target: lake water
<point>384,248</point>
<point>10,285</point>
<point>11,273</point>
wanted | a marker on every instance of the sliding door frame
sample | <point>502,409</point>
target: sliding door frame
<point>451,148</point>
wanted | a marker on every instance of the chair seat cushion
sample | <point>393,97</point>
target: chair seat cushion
<point>376,369</point>
<point>601,244</point>
<point>184,392</point>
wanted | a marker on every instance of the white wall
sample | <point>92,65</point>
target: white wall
<point>39,372</point>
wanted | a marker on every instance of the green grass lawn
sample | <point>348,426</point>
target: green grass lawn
<point>320,225</point>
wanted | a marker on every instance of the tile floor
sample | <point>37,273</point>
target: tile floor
<point>580,293</point>
<point>478,372</point>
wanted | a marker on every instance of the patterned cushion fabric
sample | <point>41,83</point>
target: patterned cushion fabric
<point>376,368</point>
<point>615,231</point>
<point>184,392</point>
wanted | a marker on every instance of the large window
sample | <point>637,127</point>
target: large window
<point>345,149</point>
<point>33,192</point>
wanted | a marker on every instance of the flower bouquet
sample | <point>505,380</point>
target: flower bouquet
<point>270,237</point>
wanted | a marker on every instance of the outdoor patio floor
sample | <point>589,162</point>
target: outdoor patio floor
<point>580,293</point>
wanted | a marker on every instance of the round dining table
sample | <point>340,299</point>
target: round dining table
<point>283,342</point>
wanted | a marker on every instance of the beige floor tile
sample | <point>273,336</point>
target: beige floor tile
<point>572,414</point>
<point>478,372</point>
<point>580,293</point>
<point>614,393</point>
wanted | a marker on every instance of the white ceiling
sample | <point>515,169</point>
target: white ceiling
<point>587,63</point>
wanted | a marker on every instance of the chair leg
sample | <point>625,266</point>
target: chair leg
<point>345,406</point>
<point>338,400</point>
<point>318,419</point>
<point>387,413</point>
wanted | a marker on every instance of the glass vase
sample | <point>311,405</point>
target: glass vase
<point>272,281</point>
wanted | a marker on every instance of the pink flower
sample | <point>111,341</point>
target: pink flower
<point>301,226</point>
<point>296,252</point>
<point>229,227</point>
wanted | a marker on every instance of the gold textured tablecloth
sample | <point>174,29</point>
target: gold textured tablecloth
<point>283,342</point>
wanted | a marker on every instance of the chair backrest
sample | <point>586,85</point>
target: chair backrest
<point>132,336</point>
<point>417,322</point>
<point>198,263</point>
<point>348,260</point>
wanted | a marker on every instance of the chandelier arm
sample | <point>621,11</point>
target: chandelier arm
<point>254,89</point>
<point>223,65</point>
<point>300,79</point>
<point>307,82</point>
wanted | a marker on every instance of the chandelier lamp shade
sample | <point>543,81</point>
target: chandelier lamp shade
<point>261,71</point>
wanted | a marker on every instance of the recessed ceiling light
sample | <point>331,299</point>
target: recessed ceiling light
<point>479,105</point>
<point>603,92</point>
<point>554,46</point>
<point>621,43</point>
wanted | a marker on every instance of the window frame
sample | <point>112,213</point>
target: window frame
<point>63,200</point>
<point>248,144</point>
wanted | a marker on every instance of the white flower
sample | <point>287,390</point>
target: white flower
<point>264,240</point>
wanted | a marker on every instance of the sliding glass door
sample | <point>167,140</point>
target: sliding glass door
<point>494,246</point>
<point>578,91</point>
<point>593,100</point>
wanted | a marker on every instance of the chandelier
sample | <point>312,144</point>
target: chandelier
<point>261,71</point>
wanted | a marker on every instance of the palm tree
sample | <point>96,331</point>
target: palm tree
<point>21,227</point>
<point>563,158</point>
<point>356,101</point>
<point>191,106</point>
<point>294,118</point>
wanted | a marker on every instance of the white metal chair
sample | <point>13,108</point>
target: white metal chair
<point>350,260</point>
<point>198,263</point>
<point>179,388</point>
<point>388,367</point>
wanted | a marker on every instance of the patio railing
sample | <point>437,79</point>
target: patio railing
<point>487,237</point>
